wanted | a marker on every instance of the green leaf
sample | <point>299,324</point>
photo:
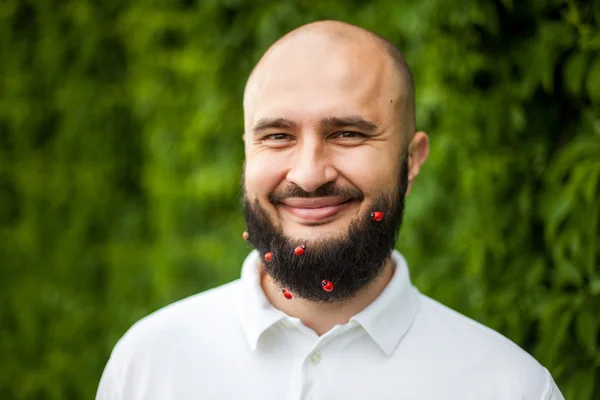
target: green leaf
<point>556,208</point>
<point>590,189</point>
<point>595,285</point>
<point>586,329</point>
<point>593,81</point>
<point>556,319</point>
<point>566,271</point>
<point>581,386</point>
<point>553,38</point>
<point>574,72</point>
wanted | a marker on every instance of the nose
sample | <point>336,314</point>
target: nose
<point>311,166</point>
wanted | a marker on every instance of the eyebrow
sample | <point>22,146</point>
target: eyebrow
<point>326,123</point>
<point>349,122</point>
<point>269,123</point>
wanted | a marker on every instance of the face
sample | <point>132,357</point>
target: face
<point>324,142</point>
<point>309,124</point>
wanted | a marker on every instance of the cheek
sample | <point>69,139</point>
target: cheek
<point>371,171</point>
<point>263,173</point>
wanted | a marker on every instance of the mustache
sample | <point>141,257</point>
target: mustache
<point>327,190</point>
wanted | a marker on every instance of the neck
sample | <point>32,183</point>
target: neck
<point>322,317</point>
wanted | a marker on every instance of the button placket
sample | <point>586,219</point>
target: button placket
<point>315,357</point>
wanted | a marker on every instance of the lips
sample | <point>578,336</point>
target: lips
<point>315,209</point>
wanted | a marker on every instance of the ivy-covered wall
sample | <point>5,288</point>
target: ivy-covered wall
<point>121,154</point>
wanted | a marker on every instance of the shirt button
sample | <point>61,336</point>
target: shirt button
<point>315,358</point>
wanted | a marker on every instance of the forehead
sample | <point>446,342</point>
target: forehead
<point>315,79</point>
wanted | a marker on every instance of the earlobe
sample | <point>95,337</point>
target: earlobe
<point>418,150</point>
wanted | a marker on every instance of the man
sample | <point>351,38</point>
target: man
<point>324,308</point>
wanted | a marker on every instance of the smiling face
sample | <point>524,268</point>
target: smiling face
<point>326,142</point>
<point>323,136</point>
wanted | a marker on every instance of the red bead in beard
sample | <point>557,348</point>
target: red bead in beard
<point>327,285</point>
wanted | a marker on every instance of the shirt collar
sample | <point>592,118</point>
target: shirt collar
<point>386,320</point>
<point>255,312</point>
<point>389,317</point>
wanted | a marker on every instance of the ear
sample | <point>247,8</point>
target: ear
<point>418,150</point>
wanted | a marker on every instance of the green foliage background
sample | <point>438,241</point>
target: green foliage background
<point>121,153</point>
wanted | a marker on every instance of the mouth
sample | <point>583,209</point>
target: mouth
<point>316,210</point>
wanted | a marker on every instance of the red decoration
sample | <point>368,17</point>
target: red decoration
<point>300,250</point>
<point>245,235</point>
<point>377,216</point>
<point>287,294</point>
<point>268,257</point>
<point>327,285</point>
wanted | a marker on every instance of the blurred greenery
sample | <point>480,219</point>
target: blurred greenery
<point>121,154</point>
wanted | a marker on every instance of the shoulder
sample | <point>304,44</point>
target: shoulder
<point>184,318</point>
<point>165,343</point>
<point>483,355</point>
<point>160,344</point>
<point>462,333</point>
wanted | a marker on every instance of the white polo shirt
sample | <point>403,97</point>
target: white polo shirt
<point>231,343</point>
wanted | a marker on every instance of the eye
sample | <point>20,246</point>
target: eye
<point>277,140</point>
<point>276,137</point>
<point>349,135</point>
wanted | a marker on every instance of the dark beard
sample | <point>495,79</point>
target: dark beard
<point>350,261</point>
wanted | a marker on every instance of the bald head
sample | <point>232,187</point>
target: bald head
<point>329,132</point>
<point>320,44</point>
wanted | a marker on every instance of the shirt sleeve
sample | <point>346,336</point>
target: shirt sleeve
<point>107,389</point>
<point>552,391</point>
